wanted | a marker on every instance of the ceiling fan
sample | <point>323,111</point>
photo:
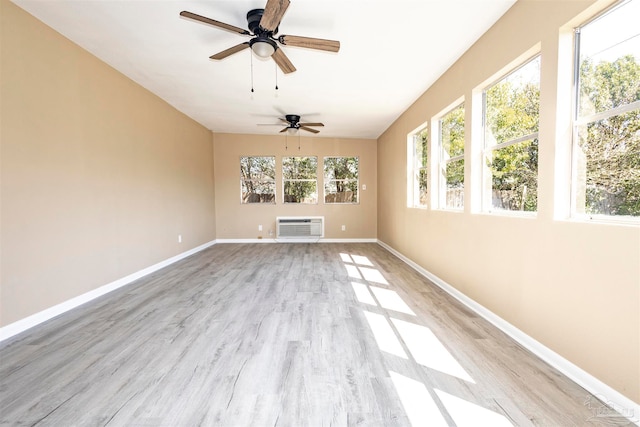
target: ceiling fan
<point>293,124</point>
<point>263,27</point>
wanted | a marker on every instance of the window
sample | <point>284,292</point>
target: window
<point>299,175</point>
<point>451,180</point>
<point>511,108</point>
<point>258,179</point>
<point>341,180</point>
<point>418,145</point>
<point>606,160</point>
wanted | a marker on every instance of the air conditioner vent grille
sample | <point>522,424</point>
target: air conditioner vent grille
<point>300,227</point>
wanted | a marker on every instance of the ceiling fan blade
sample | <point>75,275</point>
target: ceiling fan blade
<point>284,130</point>
<point>310,43</point>
<point>273,12</point>
<point>269,124</point>
<point>309,129</point>
<point>311,124</point>
<point>215,23</point>
<point>228,52</point>
<point>283,62</point>
<point>283,120</point>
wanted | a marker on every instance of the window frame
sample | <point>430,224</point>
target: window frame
<point>272,182</point>
<point>326,181</point>
<point>285,180</point>
<point>578,121</point>
<point>487,177</point>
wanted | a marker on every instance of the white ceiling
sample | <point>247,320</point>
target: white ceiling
<point>391,52</point>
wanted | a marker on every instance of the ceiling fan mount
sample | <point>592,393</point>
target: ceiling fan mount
<point>263,25</point>
<point>293,119</point>
<point>253,22</point>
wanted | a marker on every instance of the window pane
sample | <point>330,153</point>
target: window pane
<point>514,176</point>
<point>452,133</point>
<point>454,174</point>
<point>299,167</point>
<point>420,142</point>
<point>451,186</point>
<point>420,161</point>
<point>422,187</point>
<point>341,167</point>
<point>258,192</point>
<point>512,105</point>
<point>341,192</point>
<point>608,175</point>
<point>300,192</point>
<point>258,167</point>
<point>609,54</point>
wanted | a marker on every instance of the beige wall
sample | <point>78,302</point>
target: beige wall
<point>573,286</point>
<point>99,176</point>
<point>237,221</point>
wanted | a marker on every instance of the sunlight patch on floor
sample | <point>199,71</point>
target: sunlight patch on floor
<point>468,414</point>
<point>361,260</point>
<point>391,300</point>
<point>428,351</point>
<point>384,335</point>
<point>346,258</point>
<point>352,271</point>
<point>362,293</point>
<point>373,275</point>
<point>417,402</point>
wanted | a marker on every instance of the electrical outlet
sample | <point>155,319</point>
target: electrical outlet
<point>344,227</point>
<point>260,227</point>
<point>364,186</point>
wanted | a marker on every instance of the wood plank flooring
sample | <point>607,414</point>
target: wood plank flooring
<point>322,334</point>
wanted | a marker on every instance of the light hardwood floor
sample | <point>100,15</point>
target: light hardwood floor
<point>281,335</point>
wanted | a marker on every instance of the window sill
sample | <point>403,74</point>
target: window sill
<point>605,220</point>
<point>511,214</point>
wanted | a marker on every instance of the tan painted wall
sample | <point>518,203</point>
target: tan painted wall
<point>573,286</point>
<point>237,221</point>
<point>99,176</point>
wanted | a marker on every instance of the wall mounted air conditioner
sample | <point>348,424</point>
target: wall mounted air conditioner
<point>300,227</point>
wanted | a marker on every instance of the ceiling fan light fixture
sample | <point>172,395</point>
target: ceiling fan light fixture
<point>263,47</point>
<point>292,130</point>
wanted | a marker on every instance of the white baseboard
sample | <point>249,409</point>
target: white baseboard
<point>608,395</point>
<point>35,319</point>
<point>297,240</point>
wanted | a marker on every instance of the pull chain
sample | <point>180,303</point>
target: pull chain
<point>251,71</point>
<point>276,65</point>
